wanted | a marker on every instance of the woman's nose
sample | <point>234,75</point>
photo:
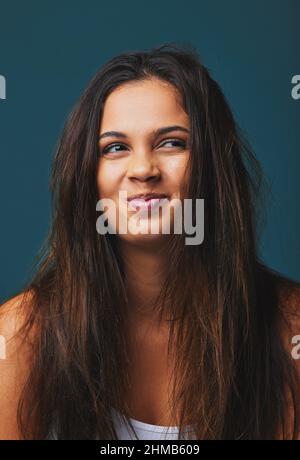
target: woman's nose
<point>143,166</point>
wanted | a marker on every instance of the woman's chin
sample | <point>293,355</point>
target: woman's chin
<point>145,239</point>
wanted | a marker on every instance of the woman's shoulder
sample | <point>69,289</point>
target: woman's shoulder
<point>288,299</point>
<point>15,360</point>
<point>289,329</point>
<point>274,286</point>
<point>16,339</point>
<point>13,314</point>
<point>280,294</point>
<point>289,302</point>
<point>285,293</point>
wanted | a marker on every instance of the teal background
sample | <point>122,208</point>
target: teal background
<point>49,51</point>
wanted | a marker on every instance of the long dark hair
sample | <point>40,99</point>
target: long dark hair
<point>231,370</point>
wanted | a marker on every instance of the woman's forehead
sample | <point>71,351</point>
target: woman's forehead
<point>144,106</point>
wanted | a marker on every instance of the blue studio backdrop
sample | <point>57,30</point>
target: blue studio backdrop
<point>49,51</point>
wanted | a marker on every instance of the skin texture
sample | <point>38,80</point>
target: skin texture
<point>144,163</point>
<point>15,367</point>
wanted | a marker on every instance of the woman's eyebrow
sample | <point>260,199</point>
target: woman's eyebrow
<point>156,132</point>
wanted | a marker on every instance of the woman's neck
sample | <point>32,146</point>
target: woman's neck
<point>144,277</point>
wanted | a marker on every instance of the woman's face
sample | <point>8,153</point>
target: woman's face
<point>137,158</point>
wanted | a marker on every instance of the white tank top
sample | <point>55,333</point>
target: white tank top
<point>147,431</point>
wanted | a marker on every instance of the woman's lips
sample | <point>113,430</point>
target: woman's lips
<point>140,203</point>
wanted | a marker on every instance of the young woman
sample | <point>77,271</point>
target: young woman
<point>143,331</point>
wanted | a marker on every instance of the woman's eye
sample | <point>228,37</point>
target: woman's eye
<point>178,143</point>
<point>109,147</point>
<point>120,147</point>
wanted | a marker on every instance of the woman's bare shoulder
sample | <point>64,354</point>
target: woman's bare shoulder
<point>289,303</point>
<point>13,314</point>
<point>15,359</point>
<point>289,309</point>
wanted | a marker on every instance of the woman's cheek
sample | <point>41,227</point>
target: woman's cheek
<point>107,180</point>
<point>176,169</point>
